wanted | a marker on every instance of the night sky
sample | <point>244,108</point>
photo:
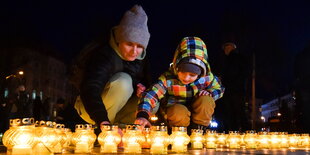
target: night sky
<point>272,29</point>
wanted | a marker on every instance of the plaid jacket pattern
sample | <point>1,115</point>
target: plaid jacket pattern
<point>169,86</point>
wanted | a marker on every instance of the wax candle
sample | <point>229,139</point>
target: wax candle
<point>109,138</point>
<point>133,138</point>
<point>197,139</point>
<point>210,139</point>
<point>179,139</point>
<point>250,139</point>
<point>158,139</point>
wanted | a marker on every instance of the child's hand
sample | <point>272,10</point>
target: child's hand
<point>204,93</point>
<point>140,89</point>
<point>143,122</point>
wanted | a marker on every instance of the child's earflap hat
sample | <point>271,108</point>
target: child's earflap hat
<point>186,66</point>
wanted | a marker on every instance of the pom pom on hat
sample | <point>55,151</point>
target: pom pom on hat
<point>133,27</point>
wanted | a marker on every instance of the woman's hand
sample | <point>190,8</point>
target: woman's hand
<point>143,122</point>
<point>120,132</point>
<point>140,89</point>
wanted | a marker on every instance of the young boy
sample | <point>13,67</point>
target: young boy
<point>189,87</point>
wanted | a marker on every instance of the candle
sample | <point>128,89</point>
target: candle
<point>109,138</point>
<point>233,140</point>
<point>21,146</point>
<point>158,139</point>
<point>67,143</point>
<point>146,143</point>
<point>83,138</point>
<point>82,147</point>
<point>21,149</point>
<point>179,139</point>
<point>197,139</point>
<point>304,141</point>
<point>284,142</point>
<point>221,140</point>
<point>293,140</point>
<point>61,137</point>
<point>133,139</point>
<point>179,146</point>
<point>263,140</point>
<point>109,147</point>
<point>158,148</point>
<point>274,140</point>
<point>133,147</point>
<point>210,139</point>
<point>250,139</point>
<point>20,138</point>
<point>46,137</point>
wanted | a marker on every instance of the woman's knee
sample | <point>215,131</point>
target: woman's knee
<point>122,82</point>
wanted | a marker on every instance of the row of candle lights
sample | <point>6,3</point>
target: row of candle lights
<point>44,137</point>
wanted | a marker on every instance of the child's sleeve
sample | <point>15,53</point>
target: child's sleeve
<point>151,97</point>
<point>215,87</point>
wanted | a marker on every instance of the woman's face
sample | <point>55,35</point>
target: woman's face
<point>130,50</point>
<point>187,77</point>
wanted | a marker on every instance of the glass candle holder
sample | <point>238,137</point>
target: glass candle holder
<point>133,138</point>
<point>211,139</point>
<point>83,138</point>
<point>263,140</point>
<point>158,140</point>
<point>20,137</point>
<point>179,139</point>
<point>221,140</point>
<point>66,145</point>
<point>197,139</point>
<point>242,142</point>
<point>61,140</point>
<point>274,140</point>
<point>233,140</point>
<point>293,140</point>
<point>109,138</point>
<point>46,137</point>
<point>284,141</point>
<point>250,139</point>
<point>304,141</point>
<point>146,133</point>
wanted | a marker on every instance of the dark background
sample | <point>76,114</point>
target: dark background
<point>274,30</point>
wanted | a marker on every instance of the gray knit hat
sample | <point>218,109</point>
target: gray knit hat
<point>133,27</point>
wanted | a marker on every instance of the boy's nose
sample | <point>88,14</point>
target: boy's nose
<point>186,77</point>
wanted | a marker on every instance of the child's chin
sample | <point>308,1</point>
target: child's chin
<point>185,83</point>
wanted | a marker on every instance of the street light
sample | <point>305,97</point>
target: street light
<point>263,118</point>
<point>21,72</point>
<point>13,75</point>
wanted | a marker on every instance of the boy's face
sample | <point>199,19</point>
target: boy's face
<point>130,50</point>
<point>187,77</point>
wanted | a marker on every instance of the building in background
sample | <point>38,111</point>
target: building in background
<point>45,75</point>
<point>279,114</point>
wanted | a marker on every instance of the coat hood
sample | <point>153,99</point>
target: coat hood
<point>195,51</point>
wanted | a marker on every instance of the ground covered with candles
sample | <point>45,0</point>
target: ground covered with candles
<point>96,150</point>
<point>46,138</point>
